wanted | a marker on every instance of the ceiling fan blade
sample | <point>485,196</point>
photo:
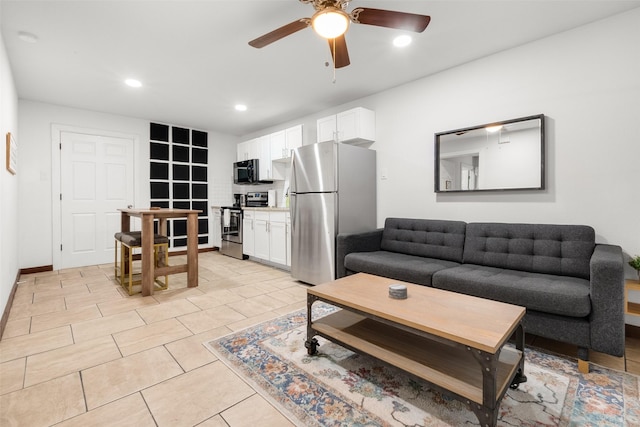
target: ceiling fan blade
<point>341,54</point>
<point>391,19</point>
<point>279,33</point>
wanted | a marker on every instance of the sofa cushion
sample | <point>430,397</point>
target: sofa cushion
<point>424,237</point>
<point>563,250</point>
<point>403,267</point>
<point>563,295</point>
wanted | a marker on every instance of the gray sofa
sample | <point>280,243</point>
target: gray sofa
<point>572,288</point>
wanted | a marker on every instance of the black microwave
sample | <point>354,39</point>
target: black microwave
<point>246,172</point>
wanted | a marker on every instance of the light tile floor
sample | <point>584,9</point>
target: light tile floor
<point>79,351</point>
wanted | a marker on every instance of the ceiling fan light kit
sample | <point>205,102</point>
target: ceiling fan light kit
<point>331,21</point>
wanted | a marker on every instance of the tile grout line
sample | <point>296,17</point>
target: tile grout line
<point>24,374</point>
<point>255,393</point>
<point>117,346</point>
<point>146,404</point>
<point>174,359</point>
<point>84,394</point>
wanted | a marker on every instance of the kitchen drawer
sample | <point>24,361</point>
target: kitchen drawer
<point>262,215</point>
<point>277,216</point>
<point>249,213</point>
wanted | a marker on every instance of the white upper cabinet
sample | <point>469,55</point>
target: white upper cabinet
<point>358,124</point>
<point>264,155</point>
<point>275,147</point>
<point>293,137</point>
<point>260,149</point>
<point>243,151</point>
<point>283,142</point>
<point>326,128</point>
<point>248,150</point>
<point>355,126</point>
<point>282,145</point>
<point>278,145</point>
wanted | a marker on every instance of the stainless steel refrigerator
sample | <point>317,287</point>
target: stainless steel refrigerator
<point>333,190</point>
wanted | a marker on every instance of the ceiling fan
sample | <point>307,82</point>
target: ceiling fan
<point>331,21</point>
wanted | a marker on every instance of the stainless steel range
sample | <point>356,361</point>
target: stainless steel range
<point>231,223</point>
<point>257,199</point>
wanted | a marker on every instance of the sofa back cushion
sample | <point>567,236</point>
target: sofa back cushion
<point>539,248</point>
<point>428,238</point>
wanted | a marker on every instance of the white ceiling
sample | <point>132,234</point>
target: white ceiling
<point>195,64</point>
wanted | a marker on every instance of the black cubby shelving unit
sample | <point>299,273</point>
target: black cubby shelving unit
<point>178,172</point>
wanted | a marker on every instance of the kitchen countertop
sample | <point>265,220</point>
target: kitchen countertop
<point>274,209</point>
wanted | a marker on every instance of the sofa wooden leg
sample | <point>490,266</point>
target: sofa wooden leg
<point>583,366</point>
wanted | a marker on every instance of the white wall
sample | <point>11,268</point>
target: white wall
<point>222,154</point>
<point>585,81</point>
<point>8,182</point>
<point>36,200</point>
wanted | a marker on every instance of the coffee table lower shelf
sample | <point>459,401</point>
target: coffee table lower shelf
<point>450,368</point>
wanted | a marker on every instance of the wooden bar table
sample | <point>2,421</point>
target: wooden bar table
<point>149,271</point>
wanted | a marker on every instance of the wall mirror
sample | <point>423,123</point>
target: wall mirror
<point>506,155</point>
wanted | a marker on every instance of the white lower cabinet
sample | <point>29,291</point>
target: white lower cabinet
<point>268,235</point>
<point>261,235</point>
<point>217,228</point>
<point>248,241</point>
<point>288,222</point>
<point>278,238</point>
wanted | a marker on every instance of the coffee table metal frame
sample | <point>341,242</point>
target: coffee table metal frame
<point>487,410</point>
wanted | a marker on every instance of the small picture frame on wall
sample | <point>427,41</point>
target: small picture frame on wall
<point>12,154</point>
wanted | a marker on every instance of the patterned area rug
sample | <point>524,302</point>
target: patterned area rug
<point>337,387</point>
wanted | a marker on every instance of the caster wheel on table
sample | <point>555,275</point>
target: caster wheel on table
<point>312,346</point>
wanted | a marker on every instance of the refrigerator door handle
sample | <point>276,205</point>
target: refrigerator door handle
<point>292,204</point>
<point>293,186</point>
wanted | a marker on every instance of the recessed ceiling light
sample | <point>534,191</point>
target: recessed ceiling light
<point>133,83</point>
<point>402,41</point>
<point>241,107</point>
<point>27,37</point>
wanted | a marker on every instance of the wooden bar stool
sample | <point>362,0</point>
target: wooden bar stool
<point>129,241</point>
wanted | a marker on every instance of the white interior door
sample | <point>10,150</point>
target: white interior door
<point>96,178</point>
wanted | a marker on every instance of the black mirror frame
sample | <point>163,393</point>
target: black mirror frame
<point>436,183</point>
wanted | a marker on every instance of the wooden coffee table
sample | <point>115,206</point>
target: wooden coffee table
<point>453,341</point>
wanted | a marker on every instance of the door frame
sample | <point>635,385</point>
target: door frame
<point>56,205</point>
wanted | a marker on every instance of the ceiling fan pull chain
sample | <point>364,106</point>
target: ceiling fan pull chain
<point>334,61</point>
